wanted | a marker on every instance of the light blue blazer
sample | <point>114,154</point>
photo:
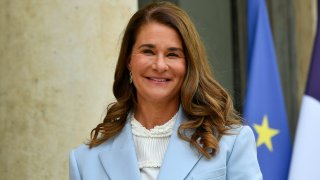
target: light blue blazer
<point>116,158</point>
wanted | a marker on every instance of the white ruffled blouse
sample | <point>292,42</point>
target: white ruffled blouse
<point>151,145</point>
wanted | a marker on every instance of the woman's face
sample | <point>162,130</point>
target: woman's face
<point>157,64</point>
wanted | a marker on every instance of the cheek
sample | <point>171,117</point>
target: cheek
<point>138,61</point>
<point>181,70</point>
<point>134,63</point>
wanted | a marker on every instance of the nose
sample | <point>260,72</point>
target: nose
<point>160,65</point>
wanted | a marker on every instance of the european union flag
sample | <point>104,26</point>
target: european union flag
<point>264,106</point>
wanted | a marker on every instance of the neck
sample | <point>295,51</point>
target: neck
<point>154,114</point>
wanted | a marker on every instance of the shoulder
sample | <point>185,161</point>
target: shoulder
<point>239,139</point>
<point>242,152</point>
<point>242,131</point>
<point>84,162</point>
<point>83,154</point>
<point>84,149</point>
<point>236,150</point>
<point>243,134</point>
<point>236,133</point>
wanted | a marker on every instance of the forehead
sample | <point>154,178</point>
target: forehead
<point>157,33</point>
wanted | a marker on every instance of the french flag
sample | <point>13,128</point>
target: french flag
<point>306,153</point>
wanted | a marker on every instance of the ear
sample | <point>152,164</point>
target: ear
<point>129,64</point>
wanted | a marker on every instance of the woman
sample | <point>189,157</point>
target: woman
<point>171,119</point>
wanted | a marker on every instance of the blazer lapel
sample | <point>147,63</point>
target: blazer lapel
<point>120,161</point>
<point>180,157</point>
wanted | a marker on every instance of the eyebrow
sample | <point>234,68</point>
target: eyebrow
<point>147,45</point>
<point>175,49</point>
<point>153,46</point>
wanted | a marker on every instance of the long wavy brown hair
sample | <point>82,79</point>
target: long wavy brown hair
<point>207,106</point>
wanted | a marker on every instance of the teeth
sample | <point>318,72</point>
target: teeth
<point>158,80</point>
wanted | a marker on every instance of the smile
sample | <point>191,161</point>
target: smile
<point>158,79</point>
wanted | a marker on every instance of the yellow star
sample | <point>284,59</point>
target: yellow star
<point>265,133</point>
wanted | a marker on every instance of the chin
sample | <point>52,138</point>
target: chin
<point>162,97</point>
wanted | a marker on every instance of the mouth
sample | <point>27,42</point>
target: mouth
<point>159,80</point>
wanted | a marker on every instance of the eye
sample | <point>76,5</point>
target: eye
<point>148,52</point>
<point>172,55</point>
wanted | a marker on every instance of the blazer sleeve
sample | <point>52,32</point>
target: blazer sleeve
<point>243,162</point>
<point>74,173</point>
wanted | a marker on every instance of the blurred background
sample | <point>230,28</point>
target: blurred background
<point>57,60</point>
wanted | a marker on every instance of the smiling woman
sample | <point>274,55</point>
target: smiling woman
<point>158,69</point>
<point>166,100</point>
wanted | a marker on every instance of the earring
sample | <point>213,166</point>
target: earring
<point>130,79</point>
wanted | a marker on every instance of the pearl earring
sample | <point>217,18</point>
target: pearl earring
<point>130,80</point>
